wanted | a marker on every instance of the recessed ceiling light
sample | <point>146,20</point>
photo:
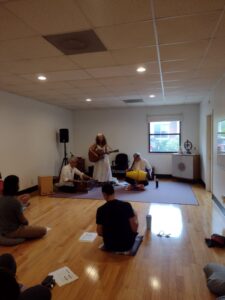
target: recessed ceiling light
<point>88,99</point>
<point>152,96</point>
<point>42,77</point>
<point>141,69</point>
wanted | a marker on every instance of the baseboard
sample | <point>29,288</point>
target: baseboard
<point>28,190</point>
<point>218,203</point>
<point>167,176</point>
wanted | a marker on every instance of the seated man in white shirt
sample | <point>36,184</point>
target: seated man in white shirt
<point>139,164</point>
<point>66,182</point>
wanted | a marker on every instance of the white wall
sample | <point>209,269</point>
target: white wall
<point>127,129</point>
<point>217,106</point>
<point>29,145</point>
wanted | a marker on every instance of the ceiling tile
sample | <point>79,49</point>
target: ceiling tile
<point>85,83</point>
<point>61,76</point>
<point>35,47</point>
<point>177,75</point>
<point>12,80</point>
<point>17,28</point>
<point>192,62</point>
<point>49,16</point>
<point>180,65</point>
<point>146,78</point>
<point>38,65</point>
<point>134,55</point>
<point>221,29</point>
<point>188,50</point>
<point>107,12</point>
<point>43,85</point>
<point>217,48</point>
<point>214,63</point>
<point>115,81</point>
<point>93,60</point>
<point>213,73</point>
<point>180,29</point>
<point>168,8</point>
<point>129,70</point>
<point>127,35</point>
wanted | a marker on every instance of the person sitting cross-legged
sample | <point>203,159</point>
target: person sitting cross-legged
<point>139,168</point>
<point>13,223</point>
<point>116,222</point>
<point>67,182</point>
<point>10,288</point>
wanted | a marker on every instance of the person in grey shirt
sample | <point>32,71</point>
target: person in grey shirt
<point>13,223</point>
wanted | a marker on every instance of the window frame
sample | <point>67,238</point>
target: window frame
<point>149,134</point>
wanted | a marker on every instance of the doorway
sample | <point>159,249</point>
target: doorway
<point>209,139</point>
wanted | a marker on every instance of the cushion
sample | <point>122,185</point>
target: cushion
<point>221,298</point>
<point>210,268</point>
<point>5,241</point>
<point>216,283</point>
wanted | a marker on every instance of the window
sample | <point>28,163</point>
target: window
<point>221,137</point>
<point>164,136</point>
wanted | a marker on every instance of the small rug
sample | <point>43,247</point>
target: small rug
<point>167,192</point>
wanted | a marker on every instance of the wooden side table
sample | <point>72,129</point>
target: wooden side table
<point>45,185</point>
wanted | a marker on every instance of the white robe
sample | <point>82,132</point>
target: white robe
<point>102,168</point>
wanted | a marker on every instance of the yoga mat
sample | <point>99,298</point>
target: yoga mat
<point>167,192</point>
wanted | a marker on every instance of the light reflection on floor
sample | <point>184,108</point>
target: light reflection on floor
<point>166,219</point>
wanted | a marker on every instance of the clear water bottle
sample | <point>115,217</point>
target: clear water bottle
<point>148,222</point>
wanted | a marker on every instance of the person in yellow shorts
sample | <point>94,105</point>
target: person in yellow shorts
<point>139,172</point>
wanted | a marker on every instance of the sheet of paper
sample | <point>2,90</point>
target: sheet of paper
<point>63,276</point>
<point>88,237</point>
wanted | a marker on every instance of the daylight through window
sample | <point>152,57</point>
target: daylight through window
<point>164,136</point>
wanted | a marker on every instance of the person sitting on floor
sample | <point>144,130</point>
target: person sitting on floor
<point>139,165</point>
<point>10,289</point>
<point>13,223</point>
<point>68,173</point>
<point>116,222</point>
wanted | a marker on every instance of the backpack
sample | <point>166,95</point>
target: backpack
<point>216,240</point>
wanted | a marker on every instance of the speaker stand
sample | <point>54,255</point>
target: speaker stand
<point>65,160</point>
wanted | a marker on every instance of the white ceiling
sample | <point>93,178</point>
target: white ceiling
<point>180,42</point>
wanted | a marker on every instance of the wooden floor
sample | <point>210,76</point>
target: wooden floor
<point>164,268</point>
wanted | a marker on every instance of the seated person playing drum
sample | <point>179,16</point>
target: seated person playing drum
<point>137,175</point>
<point>67,182</point>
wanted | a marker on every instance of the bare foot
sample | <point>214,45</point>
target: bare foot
<point>128,188</point>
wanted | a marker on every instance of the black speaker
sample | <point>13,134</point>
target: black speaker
<point>64,135</point>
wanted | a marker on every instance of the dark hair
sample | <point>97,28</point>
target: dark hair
<point>11,185</point>
<point>9,288</point>
<point>108,189</point>
<point>101,143</point>
<point>8,263</point>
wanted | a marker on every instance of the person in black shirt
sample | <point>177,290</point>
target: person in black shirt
<point>116,222</point>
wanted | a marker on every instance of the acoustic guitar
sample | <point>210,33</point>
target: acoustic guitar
<point>95,156</point>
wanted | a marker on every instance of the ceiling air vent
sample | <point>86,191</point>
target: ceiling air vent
<point>76,42</point>
<point>133,101</point>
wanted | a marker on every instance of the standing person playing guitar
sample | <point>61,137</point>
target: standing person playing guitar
<point>99,154</point>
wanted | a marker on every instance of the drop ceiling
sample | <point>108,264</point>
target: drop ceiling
<point>181,43</point>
